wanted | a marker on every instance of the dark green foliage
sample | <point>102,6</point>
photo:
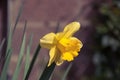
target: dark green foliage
<point>47,72</point>
<point>107,37</point>
<point>32,62</point>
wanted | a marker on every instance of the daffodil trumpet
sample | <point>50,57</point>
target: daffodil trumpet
<point>63,46</point>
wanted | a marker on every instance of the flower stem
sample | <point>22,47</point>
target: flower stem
<point>47,72</point>
<point>32,62</point>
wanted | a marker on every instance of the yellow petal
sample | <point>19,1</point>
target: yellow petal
<point>69,44</point>
<point>58,60</point>
<point>48,40</point>
<point>81,44</point>
<point>71,28</point>
<point>76,43</point>
<point>52,55</point>
<point>75,53</point>
<point>67,56</point>
<point>59,35</point>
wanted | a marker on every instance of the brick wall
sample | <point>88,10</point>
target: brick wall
<point>43,17</point>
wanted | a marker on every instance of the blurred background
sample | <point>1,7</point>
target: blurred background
<point>99,58</point>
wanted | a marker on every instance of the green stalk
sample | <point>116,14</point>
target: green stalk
<point>32,62</point>
<point>47,72</point>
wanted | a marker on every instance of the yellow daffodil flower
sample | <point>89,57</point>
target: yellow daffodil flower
<point>63,46</point>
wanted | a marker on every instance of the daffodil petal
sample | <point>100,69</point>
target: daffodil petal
<point>48,40</point>
<point>75,53</point>
<point>58,59</point>
<point>76,41</point>
<point>67,56</point>
<point>59,62</point>
<point>59,35</point>
<point>52,55</point>
<point>71,28</point>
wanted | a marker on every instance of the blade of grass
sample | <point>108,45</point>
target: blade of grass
<point>18,16</point>
<point>47,72</point>
<point>5,68</point>
<point>9,41</point>
<point>8,50</point>
<point>10,33</point>
<point>33,61</point>
<point>17,70</point>
<point>1,45</point>
<point>66,72</point>
<point>7,57</point>
<point>27,62</point>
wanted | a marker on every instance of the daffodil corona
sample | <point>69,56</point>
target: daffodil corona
<point>63,46</point>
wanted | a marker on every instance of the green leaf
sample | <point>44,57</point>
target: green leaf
<point>17,70</point>
<point>8,55</point>
<point>47,72</point>
<point>9,41</point>
<point>5,68</point>
<point>33,61</point>
<point>19,14</point>
<point>27,62</point>
<point>1,45</point>
<point>66,72</point>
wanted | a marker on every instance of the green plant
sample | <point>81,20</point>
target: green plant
<point>107,37</point>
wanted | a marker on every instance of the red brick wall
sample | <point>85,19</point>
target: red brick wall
<point>42,17</point>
